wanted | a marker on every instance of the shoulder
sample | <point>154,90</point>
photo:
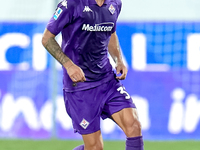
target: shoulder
<point>69,4</point>
<point>118,2</point>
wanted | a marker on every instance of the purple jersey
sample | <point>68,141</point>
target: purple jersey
<point>86,29</point>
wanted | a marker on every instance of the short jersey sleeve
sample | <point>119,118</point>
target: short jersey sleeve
<point>119,6</point>
<point>63,16</point>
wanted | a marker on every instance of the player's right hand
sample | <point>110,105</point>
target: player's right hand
<point>75,73</point>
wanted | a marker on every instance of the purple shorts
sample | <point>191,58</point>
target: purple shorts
<point>86,107</point>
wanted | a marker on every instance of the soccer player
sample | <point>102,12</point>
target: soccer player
<point>90,86</point>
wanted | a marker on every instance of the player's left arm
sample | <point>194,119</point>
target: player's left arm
<point>114,51</point>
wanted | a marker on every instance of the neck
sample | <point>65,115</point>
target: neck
<point>100,2</point>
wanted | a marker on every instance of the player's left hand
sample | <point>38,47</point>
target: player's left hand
<point>121,68</point>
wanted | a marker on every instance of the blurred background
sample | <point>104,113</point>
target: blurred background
<point>160,42</point>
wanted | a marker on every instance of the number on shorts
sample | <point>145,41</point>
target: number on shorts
<point>122,91</point>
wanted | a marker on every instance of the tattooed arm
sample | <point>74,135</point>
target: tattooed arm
<point>75,73</point>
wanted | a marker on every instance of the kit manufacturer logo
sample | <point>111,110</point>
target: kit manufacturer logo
<point>87,9</point>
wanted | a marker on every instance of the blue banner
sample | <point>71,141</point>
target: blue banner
<point>163,81</point>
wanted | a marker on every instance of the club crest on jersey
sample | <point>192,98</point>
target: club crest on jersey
<point>112,9</point>
<point>64,3</point>
<point>57,13</point>
<point>84,123</point>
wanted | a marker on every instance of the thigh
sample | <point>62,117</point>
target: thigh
<point>93,141</point>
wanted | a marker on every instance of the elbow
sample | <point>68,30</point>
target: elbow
<point>46,36</point>
<point>44,41</point>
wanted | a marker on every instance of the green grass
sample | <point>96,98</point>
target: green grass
<point>108,145</point>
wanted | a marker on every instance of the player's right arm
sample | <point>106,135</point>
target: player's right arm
<point>75,73</point>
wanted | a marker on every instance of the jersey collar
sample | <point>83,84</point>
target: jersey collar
<point>94,2</point>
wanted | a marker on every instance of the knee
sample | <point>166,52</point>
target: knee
<point>133,128</point>
<point>94,146</point>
